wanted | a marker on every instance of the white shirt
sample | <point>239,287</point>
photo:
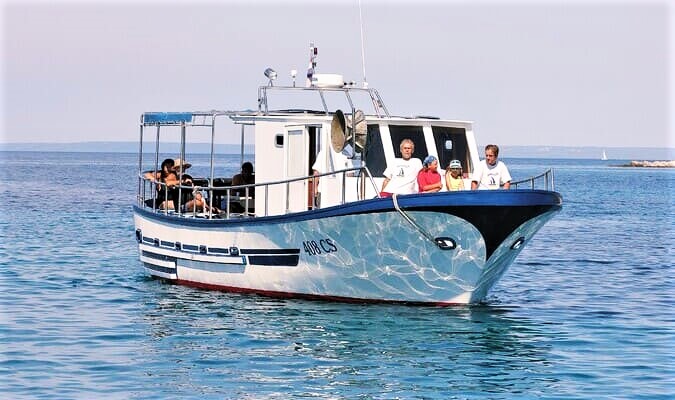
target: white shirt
<point>331,161</point>
<point>491,176</point>
<point>402,176</point>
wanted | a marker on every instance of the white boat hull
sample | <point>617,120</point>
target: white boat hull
<point>374,256</point>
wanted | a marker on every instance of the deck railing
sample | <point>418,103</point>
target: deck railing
<point>378,105</point>
<point>229,194</point>
<point>542,181</point>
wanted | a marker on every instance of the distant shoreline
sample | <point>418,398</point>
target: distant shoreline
<point>615,154</point>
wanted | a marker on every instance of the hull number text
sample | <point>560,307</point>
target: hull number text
<point>317,247</point>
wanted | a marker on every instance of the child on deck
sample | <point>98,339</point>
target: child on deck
<point>453,176</point>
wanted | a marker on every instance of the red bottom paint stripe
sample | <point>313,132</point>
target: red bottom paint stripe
<point>307,296</point>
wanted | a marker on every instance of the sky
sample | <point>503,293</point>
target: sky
<point>545,73</point>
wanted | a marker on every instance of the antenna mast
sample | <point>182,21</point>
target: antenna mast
<point>363,53</point>
<point>313,51</point>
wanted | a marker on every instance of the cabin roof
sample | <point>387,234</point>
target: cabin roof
<point>373,107</point>
<point>201,118</point>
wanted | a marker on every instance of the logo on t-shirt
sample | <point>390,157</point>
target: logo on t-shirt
<point>494,179</point>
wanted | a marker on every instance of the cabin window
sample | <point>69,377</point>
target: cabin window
<point>373,153</point>
<point>279,140</point>
<point>414,133</point>
<point>451,145</point>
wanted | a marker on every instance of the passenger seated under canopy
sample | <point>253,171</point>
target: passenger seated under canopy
<point>246,177</point>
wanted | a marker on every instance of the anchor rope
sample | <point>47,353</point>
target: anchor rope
<point>412,221</point>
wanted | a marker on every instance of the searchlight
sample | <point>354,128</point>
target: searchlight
<point>271,75</point>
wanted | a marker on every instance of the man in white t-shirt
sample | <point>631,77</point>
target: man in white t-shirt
<point>329,161</point>
<point>491,173</point>
<point>401,176</point>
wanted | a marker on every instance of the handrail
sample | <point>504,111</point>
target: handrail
<point>378,105</point>
<point>362,172</point>
<point>546,176</point>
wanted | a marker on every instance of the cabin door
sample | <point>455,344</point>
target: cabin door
<point>296,166</point>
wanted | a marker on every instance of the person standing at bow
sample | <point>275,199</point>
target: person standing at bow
<point>401,176</point>
<point>491,173</point>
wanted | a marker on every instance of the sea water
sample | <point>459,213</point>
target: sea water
<point>585,312</point>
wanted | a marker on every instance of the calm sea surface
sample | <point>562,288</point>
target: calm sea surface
<point>587,311</point>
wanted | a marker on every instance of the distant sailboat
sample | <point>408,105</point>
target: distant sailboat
<point>604,156</point>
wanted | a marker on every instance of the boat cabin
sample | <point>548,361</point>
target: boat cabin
<point>310,157</point>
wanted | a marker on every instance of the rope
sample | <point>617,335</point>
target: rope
<point>412,222</point>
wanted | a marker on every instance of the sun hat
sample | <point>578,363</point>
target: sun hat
<point>178,163</point>
<point>455,164</point>
<point>429,160</point>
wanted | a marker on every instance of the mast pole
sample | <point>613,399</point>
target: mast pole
<point>363,52</point>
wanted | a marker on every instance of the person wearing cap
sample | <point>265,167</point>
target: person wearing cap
<point>453,176</point>
<point>401,176</point>
<point>491,173</point>
<point>428,179</point>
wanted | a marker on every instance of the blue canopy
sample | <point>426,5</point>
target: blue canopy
<point>166,118</point>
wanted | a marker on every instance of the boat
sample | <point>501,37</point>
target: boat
<point>297,233</point>
<point>604,156</point>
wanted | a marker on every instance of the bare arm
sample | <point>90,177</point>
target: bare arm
<point>474,185</point>
<point>152,175</point>
<point>507,185</point>
<point>384,184</point>
<point>434,187</point>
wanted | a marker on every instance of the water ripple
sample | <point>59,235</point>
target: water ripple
<point>586,311</point>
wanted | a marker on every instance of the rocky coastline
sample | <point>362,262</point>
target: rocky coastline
<point>651,164</point>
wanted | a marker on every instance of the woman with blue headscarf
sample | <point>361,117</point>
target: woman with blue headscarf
<point>428,179</point>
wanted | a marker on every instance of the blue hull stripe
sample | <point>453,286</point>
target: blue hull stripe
<point>269,251</point>
<point>156,256</point>
<point>159,268</point>
<point>287,260</point>
<point>276,257</point>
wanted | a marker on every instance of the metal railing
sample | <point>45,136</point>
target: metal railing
<point>543,181</point>
<point>377,103</point>
<point>228,195</point>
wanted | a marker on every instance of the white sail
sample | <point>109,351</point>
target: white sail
<point>604,156</point>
